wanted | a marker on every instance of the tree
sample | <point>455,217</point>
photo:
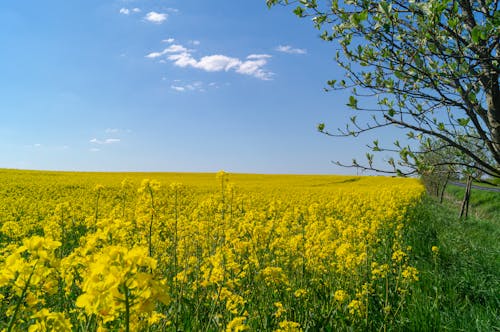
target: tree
<point>432,68</point>
<point>434,174</point>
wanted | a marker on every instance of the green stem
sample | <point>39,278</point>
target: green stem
<point>177,299</point>
<point>97,206</point>
<point>150,240</point>
<point>18,305</point>
<point>127,309</point>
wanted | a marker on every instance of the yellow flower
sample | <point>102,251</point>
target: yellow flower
<point>340,296</point>
<point>288,326</point>
<point>50,321</point>
<point>410,274</point>
<point>398,256</point>
<point>300,292</point>
<point>356,308</point>
<point>237,324</point>
<point>279,309</point>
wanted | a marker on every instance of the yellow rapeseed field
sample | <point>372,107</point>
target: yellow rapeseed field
<point>203,252</point>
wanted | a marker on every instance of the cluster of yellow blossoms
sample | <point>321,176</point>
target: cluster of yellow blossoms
<point>91,252</point>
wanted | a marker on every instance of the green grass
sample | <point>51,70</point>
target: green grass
<point>483,204</point>
<point>459,289</point>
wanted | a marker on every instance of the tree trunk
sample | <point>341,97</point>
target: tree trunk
<point>441,195</point>
<point>464,210</point>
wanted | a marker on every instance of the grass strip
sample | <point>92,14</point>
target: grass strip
<point>459,287</point>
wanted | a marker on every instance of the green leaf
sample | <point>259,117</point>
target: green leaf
<point>299,11</point>
<point>463,122</point>
<point>363,16</point>
<point>319,19</point>
<point>475,34</point>
<point>418,61</point>
<point>353,102</point>
<point>369,157</point>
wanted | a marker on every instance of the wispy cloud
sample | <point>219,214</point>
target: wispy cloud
<point>127,11</point>
<point>111,130</point>
<point>174,48</point>
<point>31,146</point>
<point>172,10</point>
<point>115,131</point>
<point>40,146</point>
<point>195,86</point>
<point>178,88</point>
<point>157,18</point>
<point>290,50</point>
<point>105,141</point>
<point>259,56</point>
<point>182,57</point>
<point>168,40</point>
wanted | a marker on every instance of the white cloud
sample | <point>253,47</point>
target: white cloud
<point>259,56</point>
<point>290,50</point>
<point>172,10</point>
<point>178,88</point>
<point>114,131</point>
<point>217,62</point>
<point>182,57</point>
<point>194,86</point>
<point>126,11</point>
<point>254,68</point>
<point>174,48</point>
<point>195,42</point>
<point>47,147</point>
<point>155,17</point>
<point>153,55</point>
<point>106,141</point>
<point>168,40</point>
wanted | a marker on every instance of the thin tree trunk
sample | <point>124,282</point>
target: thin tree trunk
<point>441,195</point>
<point>468,197</point>
<point>464,210</point>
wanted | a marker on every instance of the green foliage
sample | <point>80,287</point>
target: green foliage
<point>432,65</point>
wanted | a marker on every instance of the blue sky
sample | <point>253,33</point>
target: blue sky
<point>195,86</point>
